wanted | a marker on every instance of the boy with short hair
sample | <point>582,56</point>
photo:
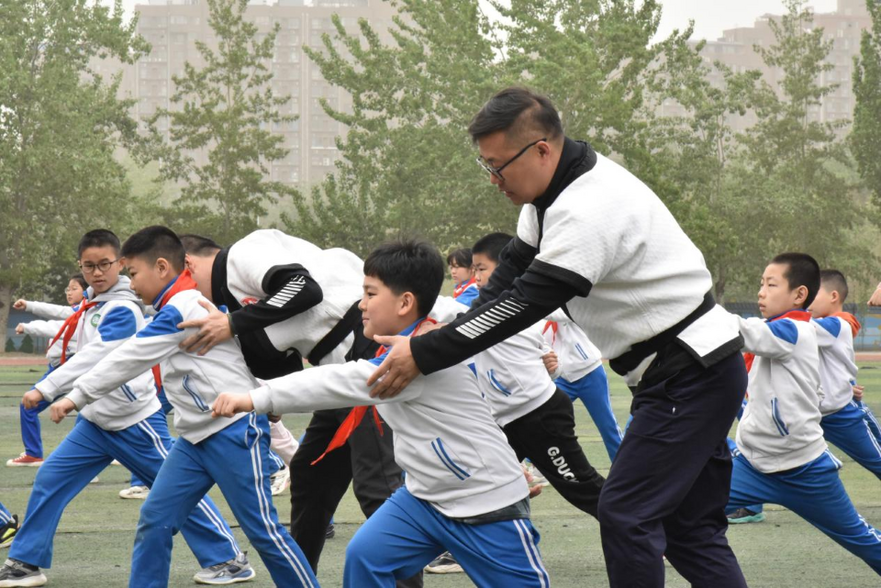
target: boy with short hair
<point>781,455</point>
<point>127,425</point>
<point>464,490</point>
<point>234,454</point>
<point>844,422</point>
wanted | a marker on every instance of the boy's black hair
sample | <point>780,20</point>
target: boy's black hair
<point>491,245</point>
<point>408,265</point>
<point>460,257</point>
<point>199,245</point>
<point>98,238</point>
<point>834,281</point>
<point>78,277</point>
<point>151,243</point>
<point>519,112</point>
<point>802,270</point>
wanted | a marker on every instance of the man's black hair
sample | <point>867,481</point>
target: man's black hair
<point>79,279</point>
<point>98,238</point>
<point>834,281</point>
<point>151,243</point>
<point>802,270</point>
<point>519,112</point>
<point>491,245</point>
<point>199,245</point>
<point>460,257</point>
<point>408,265</point>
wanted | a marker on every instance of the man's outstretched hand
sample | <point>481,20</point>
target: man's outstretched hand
<point>396,371</point>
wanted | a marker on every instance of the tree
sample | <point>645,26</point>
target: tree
<point>865,138</point>
<point>227,108</point>
<point>60,124</point>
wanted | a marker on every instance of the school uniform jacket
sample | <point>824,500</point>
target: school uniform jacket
<point>455,455</point>
<point>576,354</point>
<point>191,382</point>
<point>55,315</point>
<point>50,311</point>
<point>287,291</point>
<point>101,329</point>
<point>838,367</point>
<point>780,427</point>
<point>601,243</point>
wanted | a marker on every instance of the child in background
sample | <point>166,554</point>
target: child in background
<point>55,315</point>
<point>464,490</point>
<point>459,262</point>
<point>234,454</point>
<point>781,456</point>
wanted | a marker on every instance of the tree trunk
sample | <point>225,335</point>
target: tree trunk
<point>5,306</point>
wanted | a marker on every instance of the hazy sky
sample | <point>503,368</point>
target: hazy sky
<point>711,16</point>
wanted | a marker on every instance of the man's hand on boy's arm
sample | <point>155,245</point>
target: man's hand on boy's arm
<point>397,370</point>
<point>229,405</point>
<point>61,409</point>
<point>32,398</point>
<point>213,329</point>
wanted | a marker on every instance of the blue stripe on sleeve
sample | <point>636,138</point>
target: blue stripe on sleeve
<point>164,323</point>
<point>831,324</point>
<point>119,323</point>
<point>468,296</point>
<point>784,329</point>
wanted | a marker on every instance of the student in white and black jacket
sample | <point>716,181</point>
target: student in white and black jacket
<point>287,300</point>
<point>596,240</point>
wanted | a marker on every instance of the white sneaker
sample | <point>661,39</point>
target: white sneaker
<point>135,493</point>
<point>281,480</point>
<point>229,572</point>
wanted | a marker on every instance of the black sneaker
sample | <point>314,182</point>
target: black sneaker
<point>330,533</point>
<point>445,563</point>
<point>8,532</point>
<point>17,574</point>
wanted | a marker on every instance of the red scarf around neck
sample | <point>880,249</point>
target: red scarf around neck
<point>796,315</point>
<point>69,327</point>
<point>184,281</point>
<point>457,291</point>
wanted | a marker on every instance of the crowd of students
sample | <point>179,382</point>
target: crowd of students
<point>444,465</point>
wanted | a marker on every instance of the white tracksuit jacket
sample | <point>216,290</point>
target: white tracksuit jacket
<point>780,427</point>
<point>838,367</point>
<point>117,317</point>
<point>191,382</point>
<point>576,354</point>
<point>54,315</point>
<point>455,455</point>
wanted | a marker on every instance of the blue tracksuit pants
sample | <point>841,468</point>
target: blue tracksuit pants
<point>237,460</point>
<point>5,515</point>
<point>406,533</point>
<point>81,456</point>
<point>30,424</point>
<point>814,492</point>
<point>593,391</point>
<point>849,430</point>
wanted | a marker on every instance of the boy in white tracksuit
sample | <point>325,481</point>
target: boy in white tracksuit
<point>234,454</point>
<point>127,425</point>
<point>781,455</point>
<point>464,490</point>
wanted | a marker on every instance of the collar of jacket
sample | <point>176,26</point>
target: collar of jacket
<point>577,159</point>
<point>220,293</point>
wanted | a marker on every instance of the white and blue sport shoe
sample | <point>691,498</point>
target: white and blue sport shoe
<point>228,572</point>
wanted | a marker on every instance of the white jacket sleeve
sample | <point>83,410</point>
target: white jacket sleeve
<point>42,328</point>
<point>828,330</point>
<point>325,387</point>
<point>446,309</point>
<point>153,344</point>
<point>114,329</point>
<point>49,311</point>
<point>774,340</point>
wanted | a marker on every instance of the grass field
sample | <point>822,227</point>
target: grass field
<point>94,541</point>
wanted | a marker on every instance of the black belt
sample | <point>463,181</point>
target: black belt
<point>629,360</point>
<point>336,335</point>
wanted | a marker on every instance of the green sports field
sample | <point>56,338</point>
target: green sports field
<point>94,541</point>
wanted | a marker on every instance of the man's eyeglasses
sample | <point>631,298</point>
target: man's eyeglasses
<point>497,171</point>
<point>89,268</point>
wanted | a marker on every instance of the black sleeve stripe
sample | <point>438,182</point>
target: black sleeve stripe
<point>581,284</point>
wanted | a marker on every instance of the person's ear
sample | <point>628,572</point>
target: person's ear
<point>801,294</point>
<point>407,303</point>
<point>163,266</point>
<point>835,296</point>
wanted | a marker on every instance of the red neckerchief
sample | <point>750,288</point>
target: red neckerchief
<point>184,281</point>
<point>851,320</point>
<point>355,416</point>
<point>796,315</point>
<point>554,327</point>
<point>462,287</point>
<point>69,327</point>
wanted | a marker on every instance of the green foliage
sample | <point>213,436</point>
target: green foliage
<point>865,138</point>
<point>10,346</point>
<point>27,345</point>
<point>227,109</point>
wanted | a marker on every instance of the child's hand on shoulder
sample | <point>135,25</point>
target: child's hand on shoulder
<point>228,405</point>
